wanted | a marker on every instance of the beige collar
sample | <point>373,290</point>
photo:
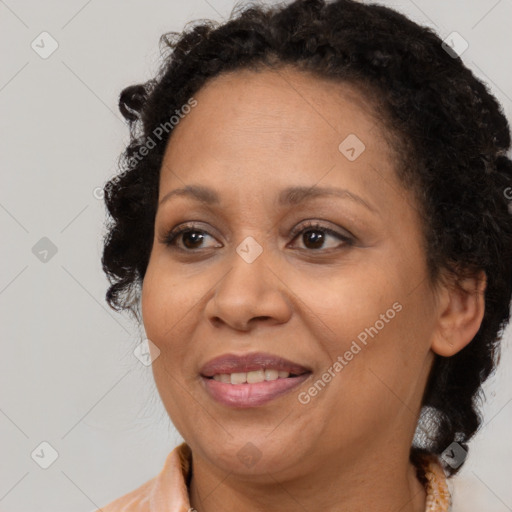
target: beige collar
<point>169,490</point>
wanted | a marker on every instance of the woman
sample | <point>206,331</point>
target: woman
<point>312,224</point>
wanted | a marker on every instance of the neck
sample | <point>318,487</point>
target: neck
<point>390,482</point>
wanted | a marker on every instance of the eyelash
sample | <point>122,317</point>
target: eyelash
<point>172,236</point>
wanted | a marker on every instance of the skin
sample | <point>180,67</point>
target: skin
<point>251,135</point>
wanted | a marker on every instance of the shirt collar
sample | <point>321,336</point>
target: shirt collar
<point>171,487</point>
<point>170,491</point>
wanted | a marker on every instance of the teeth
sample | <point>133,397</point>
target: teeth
<point>251,377</point>
<point>238,378</point>
<point>256,376</point>
<point>271,374</point>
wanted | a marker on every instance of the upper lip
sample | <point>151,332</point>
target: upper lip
<point>239,363</point>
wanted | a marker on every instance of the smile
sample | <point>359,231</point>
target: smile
<point>251,379</point>
<point>245,394</point>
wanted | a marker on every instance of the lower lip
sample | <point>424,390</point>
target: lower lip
<point>251,395</point>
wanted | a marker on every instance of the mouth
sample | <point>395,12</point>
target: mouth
<point>251,380</point>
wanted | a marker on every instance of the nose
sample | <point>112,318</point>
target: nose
<point>248,294</point>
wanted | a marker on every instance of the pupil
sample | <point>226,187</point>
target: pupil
<point>316,237</point>
<point>194,235</point>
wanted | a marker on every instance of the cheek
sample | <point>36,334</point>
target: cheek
<point>345,302</point>
<point>155,305</point>
<point>369,318</point>
<point>165,301</point>
<point>170,305</point>
<point>164,313</point>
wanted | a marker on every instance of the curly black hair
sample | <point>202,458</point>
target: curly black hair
<point>449,130</point>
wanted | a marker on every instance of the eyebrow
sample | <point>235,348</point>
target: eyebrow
<point>287,197</point>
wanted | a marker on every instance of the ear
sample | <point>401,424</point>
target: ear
<point>460,314</point>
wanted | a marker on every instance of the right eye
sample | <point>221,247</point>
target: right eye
<point>187,237</point>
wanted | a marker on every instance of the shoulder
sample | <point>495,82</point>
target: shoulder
<point>168,489</point>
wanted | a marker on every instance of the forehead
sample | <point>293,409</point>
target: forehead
<point>283,101</point>
<point>271,127</point>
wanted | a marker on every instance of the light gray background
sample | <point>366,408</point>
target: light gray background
<point>68,374</point>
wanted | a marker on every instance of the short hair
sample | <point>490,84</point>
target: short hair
<point>449,130</point>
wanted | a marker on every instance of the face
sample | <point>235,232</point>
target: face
<point>331,276</point>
